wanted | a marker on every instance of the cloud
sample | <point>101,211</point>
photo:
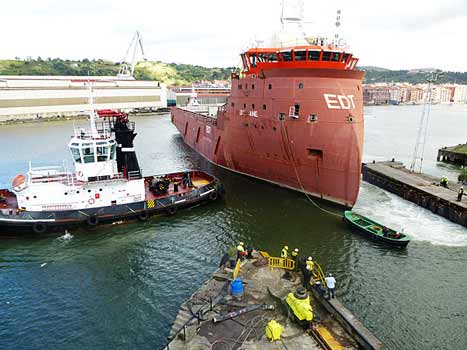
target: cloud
<point>393,34</point>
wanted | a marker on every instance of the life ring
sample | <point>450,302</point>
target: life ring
<point>213,195</point>
<point>91,201</point>
<point>143,215</point>
<point>171,210</point>
<point>92,220</point>
<point>39,227</point>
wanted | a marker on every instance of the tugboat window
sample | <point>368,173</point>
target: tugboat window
<point>88,152</point>
<point>335,56</point>
<point>75,154</point>
<point>102,152</point>
<point>112,151</point>
<point>344,58</point>
<point>273,57</point>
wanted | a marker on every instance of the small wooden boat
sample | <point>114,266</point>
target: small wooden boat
<point>375,230</point>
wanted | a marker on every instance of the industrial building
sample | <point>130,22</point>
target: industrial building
<point>35,97</point>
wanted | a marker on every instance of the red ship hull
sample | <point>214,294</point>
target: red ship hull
<point>301,129</point>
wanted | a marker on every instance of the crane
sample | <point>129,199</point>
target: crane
<point>127,66</point>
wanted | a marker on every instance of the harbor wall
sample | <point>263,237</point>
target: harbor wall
<point>418,189</point>
<point>23,98</point>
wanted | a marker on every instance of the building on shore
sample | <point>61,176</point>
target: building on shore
<point>205,93</point>
<point>35,97</point>
<point>396,93</point>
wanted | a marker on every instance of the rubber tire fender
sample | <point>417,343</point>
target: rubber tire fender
<point>39,227</point>
<point>171,210</point>
<point>92,220</point>
<point>213,195</point>
<point>143,215</point>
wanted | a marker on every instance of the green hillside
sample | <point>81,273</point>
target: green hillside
<point>185,74</point>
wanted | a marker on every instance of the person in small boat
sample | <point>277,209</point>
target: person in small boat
<point>385,231</point>
<point>186,180</point>
<point>460,194</point>
<point>395,235</point>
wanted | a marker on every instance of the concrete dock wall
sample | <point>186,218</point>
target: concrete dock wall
<point>420,189</point>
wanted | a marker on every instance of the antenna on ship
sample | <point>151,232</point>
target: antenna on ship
<point>337,24</point>
<point>92,112</point>
<point>423,124</point>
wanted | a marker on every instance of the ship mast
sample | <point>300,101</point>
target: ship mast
<point>92,112</point>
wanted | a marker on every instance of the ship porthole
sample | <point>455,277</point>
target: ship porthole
<point>39,227</point>
<point>93,220</point>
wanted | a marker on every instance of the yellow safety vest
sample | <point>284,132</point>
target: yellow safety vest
<point>294,253</point>
<point>284,253</point>
<point>310,265</point>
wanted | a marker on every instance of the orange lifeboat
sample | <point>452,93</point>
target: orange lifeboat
<point>19,182</point>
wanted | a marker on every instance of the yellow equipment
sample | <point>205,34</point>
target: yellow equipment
<point>273,330</point>
<point>299,303</point>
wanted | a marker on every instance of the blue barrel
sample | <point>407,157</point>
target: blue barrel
<point>237,287</point>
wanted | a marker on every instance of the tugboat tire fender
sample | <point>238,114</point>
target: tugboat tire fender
<point>171,210</point>
<point>92,220</point>
<point>39,227</point>
<point>143,215</point>
<point>213,195</point>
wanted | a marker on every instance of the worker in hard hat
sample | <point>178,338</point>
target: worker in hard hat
<point>308,271</point>
<point>295,257</point>
<point>444,181</point>
<point>285,252</point>
<point>460,193</point>
<point>240,251</point>
<point>331,285</point>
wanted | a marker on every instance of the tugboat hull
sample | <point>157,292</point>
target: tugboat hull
<point>14,222</point>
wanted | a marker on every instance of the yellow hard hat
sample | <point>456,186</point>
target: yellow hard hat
<point>286,247</point>
<point>241,243</point>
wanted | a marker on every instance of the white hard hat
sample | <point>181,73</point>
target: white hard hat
<point>310,258</point>
<point>330,274</point>
<point>241,243</point>
<point>296,250</point>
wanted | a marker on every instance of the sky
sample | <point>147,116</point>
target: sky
<point>396,34</point>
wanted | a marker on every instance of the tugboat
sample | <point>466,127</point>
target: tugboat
<point>106,187</point>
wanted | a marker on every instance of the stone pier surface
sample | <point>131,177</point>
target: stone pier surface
<point>421,189</point>
<point>455,154</point>
<point>194,327</point>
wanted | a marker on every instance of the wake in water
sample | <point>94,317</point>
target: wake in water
<point>400,214</point>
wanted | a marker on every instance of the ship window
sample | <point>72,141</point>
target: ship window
<point>240,86</point>
<point>75,154</point>
<point>102,153</point>
<point>112,151</point>
<point>264,107</point>
<point>232,104</point>
<point>252,86</point>
<point>244,105</point>
<point>314,55</point>
<point>335,56</point>
<point>88,152</point>
<point>326,55</point>
<point>270,86</point>
<point>344,58</point>
<point>300,85</point>
<point>287,56</point>
<point>273,57</point>
<point>300,55</point>
<point>253,106</point>
<point>281,116</point>
<point>296,110</point>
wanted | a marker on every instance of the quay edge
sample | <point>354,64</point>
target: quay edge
<point>421,189</point>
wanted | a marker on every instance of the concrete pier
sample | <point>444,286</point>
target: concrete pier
<point>455,154</point>
<point>421,189</point>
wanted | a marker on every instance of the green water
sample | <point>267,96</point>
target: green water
<point>120,287</point>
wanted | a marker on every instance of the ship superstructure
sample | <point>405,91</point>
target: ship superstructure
<point>294,117</point>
